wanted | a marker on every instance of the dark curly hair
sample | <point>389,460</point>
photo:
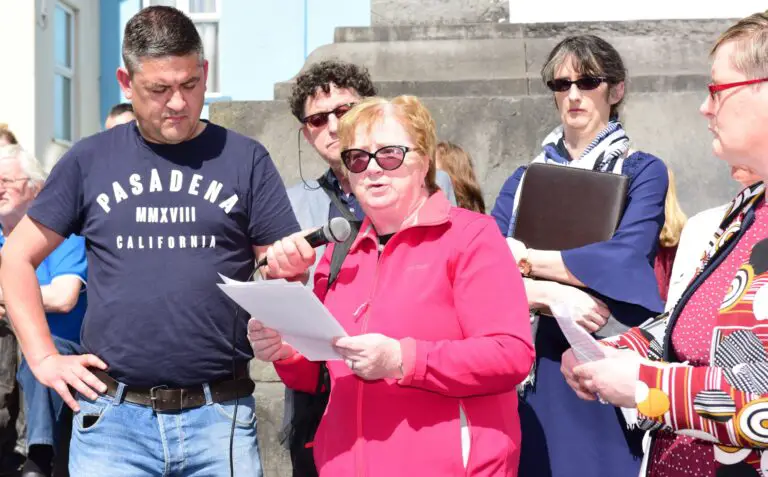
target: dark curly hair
<point>321,75</point>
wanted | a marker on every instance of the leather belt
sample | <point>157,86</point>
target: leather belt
<point>164,399</point>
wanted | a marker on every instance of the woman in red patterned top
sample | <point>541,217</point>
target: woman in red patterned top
<point>698,378</point>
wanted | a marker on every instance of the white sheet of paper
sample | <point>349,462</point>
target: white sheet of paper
<point>586,348</point>
<point>291,309</point>
<point>584,345</point>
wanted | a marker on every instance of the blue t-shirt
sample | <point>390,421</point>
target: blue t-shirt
<point>160,223</point>
<point>67,259</point>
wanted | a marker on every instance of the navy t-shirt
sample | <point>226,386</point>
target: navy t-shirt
<point>160,223</point>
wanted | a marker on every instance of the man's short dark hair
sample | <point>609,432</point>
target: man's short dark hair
<point>156,32</point>
<point>119,109</point>
<point>322,75</point>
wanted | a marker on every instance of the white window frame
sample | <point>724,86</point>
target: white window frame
<point>215,17</point>
<point>69,73</point>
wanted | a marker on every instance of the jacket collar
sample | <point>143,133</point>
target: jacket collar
<point>434,211</point>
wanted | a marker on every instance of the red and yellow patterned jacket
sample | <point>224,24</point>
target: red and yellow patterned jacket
<point>727,402</point>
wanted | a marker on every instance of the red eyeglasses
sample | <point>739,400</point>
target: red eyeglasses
<point>716,88</point>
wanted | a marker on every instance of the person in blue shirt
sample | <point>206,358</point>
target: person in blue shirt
<point>166,204</point>
<point>607,286</point>
<point>62,276</point>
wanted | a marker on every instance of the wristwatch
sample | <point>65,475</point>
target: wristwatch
<point>524,265</point>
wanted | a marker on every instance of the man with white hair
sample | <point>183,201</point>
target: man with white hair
<point>62,277</point>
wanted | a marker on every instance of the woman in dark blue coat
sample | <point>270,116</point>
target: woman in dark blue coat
<point>607,286</point>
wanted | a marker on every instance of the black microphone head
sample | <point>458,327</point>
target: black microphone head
<point>337,230</point>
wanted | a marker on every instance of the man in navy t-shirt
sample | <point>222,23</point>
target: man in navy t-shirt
<point>165,204</point>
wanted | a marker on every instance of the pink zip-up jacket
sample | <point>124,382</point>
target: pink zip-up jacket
<point>447,287</point>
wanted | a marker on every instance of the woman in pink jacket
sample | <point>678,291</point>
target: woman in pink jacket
<point>439,334</point>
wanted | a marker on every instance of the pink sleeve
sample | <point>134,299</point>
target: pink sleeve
<point>496,353</point>
<point>298,373</point>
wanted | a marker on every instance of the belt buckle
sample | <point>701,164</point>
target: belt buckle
<point>154,398</point>
<point>153,395</point>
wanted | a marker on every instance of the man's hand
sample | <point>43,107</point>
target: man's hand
<point>371,356</point>
<point>60,372</point>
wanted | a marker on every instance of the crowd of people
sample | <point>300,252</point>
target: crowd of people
<point>134,363</point>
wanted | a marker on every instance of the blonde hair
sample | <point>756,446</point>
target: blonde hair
<point>457,163</point>
<point>410,112</point>
<point>750,35</point>
<point>6,134</point>
<point>674,217</point>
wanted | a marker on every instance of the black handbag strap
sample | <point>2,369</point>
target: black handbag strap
<point>340,250</point>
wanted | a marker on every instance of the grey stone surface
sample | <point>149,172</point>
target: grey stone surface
<point>410,12</point>
<point>269,413</point>
<point>694,29</point>
<point>499,59</point>
<point>504,132</point>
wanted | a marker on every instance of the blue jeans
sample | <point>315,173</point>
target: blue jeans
<point>121,439</point>
<point>42,405</point>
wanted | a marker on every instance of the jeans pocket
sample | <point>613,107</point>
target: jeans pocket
<point>246,411</point>
<point>91,413</point>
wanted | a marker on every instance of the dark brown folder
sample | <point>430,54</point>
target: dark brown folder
<point>564,207</point>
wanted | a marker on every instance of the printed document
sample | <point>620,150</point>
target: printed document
<point>293,310</point>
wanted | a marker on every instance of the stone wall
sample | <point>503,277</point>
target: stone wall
<point>503,133</point>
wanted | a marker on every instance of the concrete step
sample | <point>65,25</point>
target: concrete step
<point>526,86</point>
<point>492,59</point>
<point>704,29</point>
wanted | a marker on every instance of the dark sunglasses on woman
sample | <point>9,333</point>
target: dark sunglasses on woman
<point>388,158</point>
<point>585,83</point>
<point>319,120</point>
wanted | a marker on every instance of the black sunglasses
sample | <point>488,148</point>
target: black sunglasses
<point>585,83</point>
<point>319,120</point>
<point>388,158</point>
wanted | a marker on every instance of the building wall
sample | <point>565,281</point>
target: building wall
<point>260,42</point>
<point>17,81</point>
<point>114,15</point>
<point>525,11</point>
<point>86,84</point>
<point>26,86</point>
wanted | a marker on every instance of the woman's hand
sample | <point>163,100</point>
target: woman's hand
<point>267,343</point>
<point>567,364</point>
<point>586,310</point>
<point>290,257</point>
<point>371,356</point>
<point>613,379</point>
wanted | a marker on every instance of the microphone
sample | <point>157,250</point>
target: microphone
<point>337,230</point>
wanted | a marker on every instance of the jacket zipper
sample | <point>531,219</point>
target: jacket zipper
<point>690,290</point>
<point>365,309</point>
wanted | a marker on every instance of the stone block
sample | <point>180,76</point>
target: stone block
<point>408,12</point>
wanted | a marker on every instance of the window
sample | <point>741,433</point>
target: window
<point>205,14</point>
<point>64,73</point>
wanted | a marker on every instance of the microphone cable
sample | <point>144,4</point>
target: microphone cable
<point>234,375</point>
